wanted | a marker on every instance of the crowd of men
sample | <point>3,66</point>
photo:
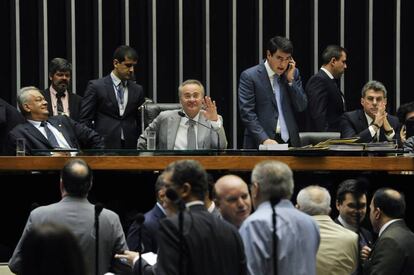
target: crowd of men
<point>234,227</point>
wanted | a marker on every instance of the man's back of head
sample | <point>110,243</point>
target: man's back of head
<point>76,178</point>
<point>274,179</point>
<point>314,200</point>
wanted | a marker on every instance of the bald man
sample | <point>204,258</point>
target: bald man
<point>393,252</point>
<point>233,199</point>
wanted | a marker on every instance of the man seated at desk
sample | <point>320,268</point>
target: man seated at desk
<point>47,133</point>
<point>372,123</point>
<point>191,128</point>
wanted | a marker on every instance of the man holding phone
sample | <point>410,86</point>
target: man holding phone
<point>269,93</point>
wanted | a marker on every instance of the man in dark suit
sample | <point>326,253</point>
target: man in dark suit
<point>9,118</point>
<point>150,227</point>
<point>209,245</point>
<point>269,94</point>
<point>42,132</point>
<point>61,101</point>
<point>372,123</point>
<point>325,99</point>
<point>110,104</point>
<point>393,253</point>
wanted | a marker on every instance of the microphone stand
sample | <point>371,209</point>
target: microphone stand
<point>140,218</point>
<point>141,108</point>
<point>273,202</point>
<point>173,196</point>
<point>98,210</point>
<point>182,114</point>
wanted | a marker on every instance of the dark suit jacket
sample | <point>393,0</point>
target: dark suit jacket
<point>75,102</point>
<point>325,103</point>
<point>393,253</point>
<point>365,234</point>
<point>9,118</point>
<point>149,231</point>
<point>354,124</point>
<point>258,107</point>
<point>77,135</point>
<point>99,105</point>
<point>211,246</point>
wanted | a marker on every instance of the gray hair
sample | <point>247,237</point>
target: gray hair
<point>373,85</point>
<point>23,97</point>
<point>275,179</point>
<point>314,200</point>
<point>188,82</point>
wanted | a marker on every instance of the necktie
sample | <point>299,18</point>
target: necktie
<point>283,128</point>
<point>50,136</point>
<point>120,93</point>
<point>59,106</point>
<point>191,135</point>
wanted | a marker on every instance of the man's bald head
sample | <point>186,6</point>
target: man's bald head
<point>314,200</point>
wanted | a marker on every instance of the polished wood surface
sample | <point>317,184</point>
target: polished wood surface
<point>237,163</point>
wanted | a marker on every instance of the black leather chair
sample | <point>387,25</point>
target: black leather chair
<point>152,110</point>
<point>313,138</point>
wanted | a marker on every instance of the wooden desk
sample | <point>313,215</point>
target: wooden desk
<point>236,163</point>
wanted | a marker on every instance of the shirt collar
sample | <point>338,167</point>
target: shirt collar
<point>270,72</point>
<point>55,92</point>
<point>328,73</point>
<point>115,79</point>
<point>35,123</point>
<point>191,203</point>
<point>212,206</point>
<point>161,208</point>
<point>386,225</point>
<point>346,225</point>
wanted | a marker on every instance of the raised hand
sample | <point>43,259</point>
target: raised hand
<point>210,109</point>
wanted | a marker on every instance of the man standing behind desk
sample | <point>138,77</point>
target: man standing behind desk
<point>269,93</point>
<point>174,127</point>
<point>110,104</point>
<point>61,101</point>
<point>326,101</point>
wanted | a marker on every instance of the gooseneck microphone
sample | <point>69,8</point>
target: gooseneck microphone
<point>98,210</point>
<point>182,114</point>
<point>174,198</point>
<point>139,219</point>
<point>273,202</point>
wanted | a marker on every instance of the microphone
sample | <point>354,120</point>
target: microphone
<point>139,219</point>
<point>98,210</point>
<point>174,198</point>
<point>274,200</point>
<point>182,114</point>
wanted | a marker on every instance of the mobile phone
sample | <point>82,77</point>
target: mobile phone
<point>409,126</point>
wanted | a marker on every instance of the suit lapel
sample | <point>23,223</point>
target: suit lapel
<point>265,81</point>
<point>202,132</point>
<point>57,123</point>
<point>173,124</point>
<point>110,93</point>
<point>36,134</point>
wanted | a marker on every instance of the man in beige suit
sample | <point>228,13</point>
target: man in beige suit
<point>338,249</point>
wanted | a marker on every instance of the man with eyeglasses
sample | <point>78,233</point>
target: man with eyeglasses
<point>269,94</point>
<point>110,104</point>
<point>372,123</point>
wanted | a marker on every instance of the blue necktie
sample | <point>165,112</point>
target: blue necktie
<point>283,128</point>
<point>50,136</point>
<point>120,93</point>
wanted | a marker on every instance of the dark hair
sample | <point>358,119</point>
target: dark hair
<point>123,52</point>
<point>390,205</point>
<point>76,177</point>
<point>404,109</point>
<point>279,43</point>
<point>353,186</point>
<point>191,172</point>
<point>332,51</point>
<point>51,249</point>
<point>59,64</point>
